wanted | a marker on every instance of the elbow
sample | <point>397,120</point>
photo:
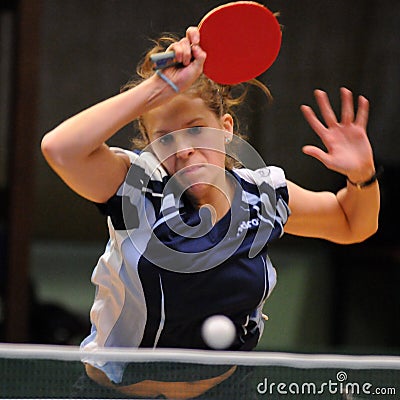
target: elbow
<point>371,227</point>
<point>371,232</point>
<point>52,150</point>
<point>374,228</point>
<point>362,236</point>
<point>48,147</point>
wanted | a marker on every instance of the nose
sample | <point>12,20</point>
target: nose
<point>184,148</point>
<point>184,153</point>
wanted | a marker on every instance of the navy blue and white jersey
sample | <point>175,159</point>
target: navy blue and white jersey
<point>167,267</point>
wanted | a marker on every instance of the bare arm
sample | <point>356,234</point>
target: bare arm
<point>76,149</point>
<point>351,215</point>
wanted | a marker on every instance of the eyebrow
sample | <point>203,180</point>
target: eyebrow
<point>191,122</point>
<point>188,123</point>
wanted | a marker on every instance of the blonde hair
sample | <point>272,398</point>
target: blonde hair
<point>220,99</point>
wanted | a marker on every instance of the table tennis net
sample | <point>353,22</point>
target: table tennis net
<point>33,371</point>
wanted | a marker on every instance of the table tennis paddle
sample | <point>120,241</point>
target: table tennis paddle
<point>242,40</point>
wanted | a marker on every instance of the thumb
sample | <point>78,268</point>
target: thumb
<point>316,153</point>
<point>199,55</point>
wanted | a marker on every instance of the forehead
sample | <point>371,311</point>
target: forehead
<point>177,113</point>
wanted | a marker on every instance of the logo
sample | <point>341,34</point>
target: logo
<point>339,385</point>
<point>245,225</point>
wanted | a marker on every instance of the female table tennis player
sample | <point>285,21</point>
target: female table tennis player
<point>182,196</point>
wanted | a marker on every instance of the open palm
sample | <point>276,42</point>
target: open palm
<point>348,150</point>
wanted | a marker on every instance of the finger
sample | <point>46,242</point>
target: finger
<point>362,112</point>
<point>317,153</point>
<point>312,120</point>
<point>181,49</point>
<point>177,49</point>
<point>199,54</point>
<point>347,106</point>
<point>193,34</point>
<point>325,107</point>
<point>186,51</point>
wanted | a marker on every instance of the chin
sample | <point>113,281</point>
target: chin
<point>197,187</point>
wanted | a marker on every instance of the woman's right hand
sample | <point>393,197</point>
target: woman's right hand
<point>76,149</point>
<point>189,53</point>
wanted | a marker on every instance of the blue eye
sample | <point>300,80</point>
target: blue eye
<point>166,139</point>
<point>195,130</point>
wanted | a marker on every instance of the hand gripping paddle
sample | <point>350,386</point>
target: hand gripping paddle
<point>242,40</point>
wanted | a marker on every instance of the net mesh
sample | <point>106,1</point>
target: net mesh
<point>58,372</point>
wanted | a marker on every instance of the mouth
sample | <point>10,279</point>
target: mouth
<point>189,170</point>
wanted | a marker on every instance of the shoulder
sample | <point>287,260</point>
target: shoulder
<point>264,182</point>
<point>143,184</point>
<point>273,176</point>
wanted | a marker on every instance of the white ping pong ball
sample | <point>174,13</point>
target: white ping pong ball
<point>218,332</point>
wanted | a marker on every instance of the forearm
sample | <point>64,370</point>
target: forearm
<point>84,133</point>
<point>76,149</point>
<point>349,216</point>
<point>361,209</point>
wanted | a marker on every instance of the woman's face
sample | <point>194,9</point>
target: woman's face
<point>195,157</point>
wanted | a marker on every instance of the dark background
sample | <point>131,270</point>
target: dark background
<point>59,57</point>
